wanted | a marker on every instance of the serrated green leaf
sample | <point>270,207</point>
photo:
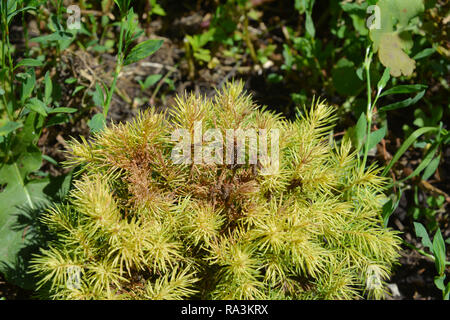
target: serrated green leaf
<point>151,80</point>
<point>387,212</point>
<point>361,130</point>
<point>98,96</point>
<point>18,197</point>
<point>142,51</point>
<point>439,282</point>
<point>384,79</point>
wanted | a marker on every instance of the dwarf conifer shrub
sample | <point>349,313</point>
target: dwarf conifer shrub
<point>139,225</point>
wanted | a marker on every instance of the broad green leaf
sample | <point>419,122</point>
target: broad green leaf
<point>98,96</point>
<point>389,208</point>
<point>157,9</point>
<point>446,294</point>
<point>439,251</point>
<point>77,89</point>
<point>9,127</point>
<point>407,88</point>
<point>404,103</point>
<point>376,137</point>
<point>431,168</point>
<point>38,106</point>
<point>21,204</point>
<point>361,130</point>
<point>203,55</point>
<point>18,197</point>
<point>151,80</point>
<point>421,232</point>
<point>28,62</point>
<point>309,26</point>
<point>357,11</point>
<point>205,37</point>
<point>14,203</point>
<point>97,123</point>
<point>439,282</point>
<point>28,85</point>
<point>301,5</point>
<point>384,80</point>
<point>29,135</point>
<point>70,80</point>
<point>424,53</point>
<point>142,51</point>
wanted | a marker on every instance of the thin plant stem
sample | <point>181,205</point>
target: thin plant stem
<point>247,39</point>
<point>117,70</point>
<point>367,62</point>
<point>429,256</point>
<point>6,45</point>
<point>25,31</point>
